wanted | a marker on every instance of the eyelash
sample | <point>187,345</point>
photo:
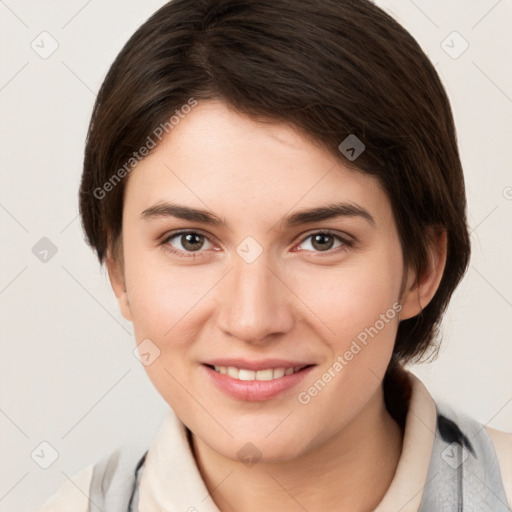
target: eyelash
<point>346,243</point>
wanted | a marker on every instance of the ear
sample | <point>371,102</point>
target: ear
<point>419,290</point>
<point>115,274</point>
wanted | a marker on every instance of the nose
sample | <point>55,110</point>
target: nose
<point>255,303</point>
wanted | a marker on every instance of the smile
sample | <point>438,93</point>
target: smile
<point>256,384</point>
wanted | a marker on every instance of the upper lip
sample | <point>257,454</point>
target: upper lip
<point>257,365</point>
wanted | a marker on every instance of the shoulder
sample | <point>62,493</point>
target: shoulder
<point>484,452</point>
<point>114,477</point>
<point>108,482</point>
<point>502,442</point>
<point>72,495</point>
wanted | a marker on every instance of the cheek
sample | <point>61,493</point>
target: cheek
<point>163,302</point>
<point>161,294</point>
<point>348,300</point>
<point>357,314</point>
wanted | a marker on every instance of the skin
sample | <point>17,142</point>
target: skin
<point>296,300</point>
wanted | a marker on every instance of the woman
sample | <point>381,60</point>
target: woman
<point>258,132</point>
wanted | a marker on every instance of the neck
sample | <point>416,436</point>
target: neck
<point>351,471</point>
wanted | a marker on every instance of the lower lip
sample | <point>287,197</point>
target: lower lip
<point>255,390</point>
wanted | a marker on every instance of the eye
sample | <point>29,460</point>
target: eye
<point>323,241</point>
<point>186,242</point>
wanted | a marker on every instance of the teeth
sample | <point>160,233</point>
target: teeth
<point>263,375</point>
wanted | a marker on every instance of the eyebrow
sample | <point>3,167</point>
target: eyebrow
<point>329,211</point>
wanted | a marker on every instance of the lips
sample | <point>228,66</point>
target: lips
<point>255,380</point>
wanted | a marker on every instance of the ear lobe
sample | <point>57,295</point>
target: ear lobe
<point>115,274</point>
<point>420,289</point>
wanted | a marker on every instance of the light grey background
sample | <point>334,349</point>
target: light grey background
<point>67,372</point>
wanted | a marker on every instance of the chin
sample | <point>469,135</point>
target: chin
<point>253,449</point>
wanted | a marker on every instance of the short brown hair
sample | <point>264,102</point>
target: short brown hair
<point>331,69</point>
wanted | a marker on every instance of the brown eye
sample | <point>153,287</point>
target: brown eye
<point>326,244</point>
<point>324,241</point>
<point>187,242</point>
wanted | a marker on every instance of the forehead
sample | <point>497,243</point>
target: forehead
<point>216,158</point>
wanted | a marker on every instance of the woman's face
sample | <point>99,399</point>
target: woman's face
<point>263,287</point>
